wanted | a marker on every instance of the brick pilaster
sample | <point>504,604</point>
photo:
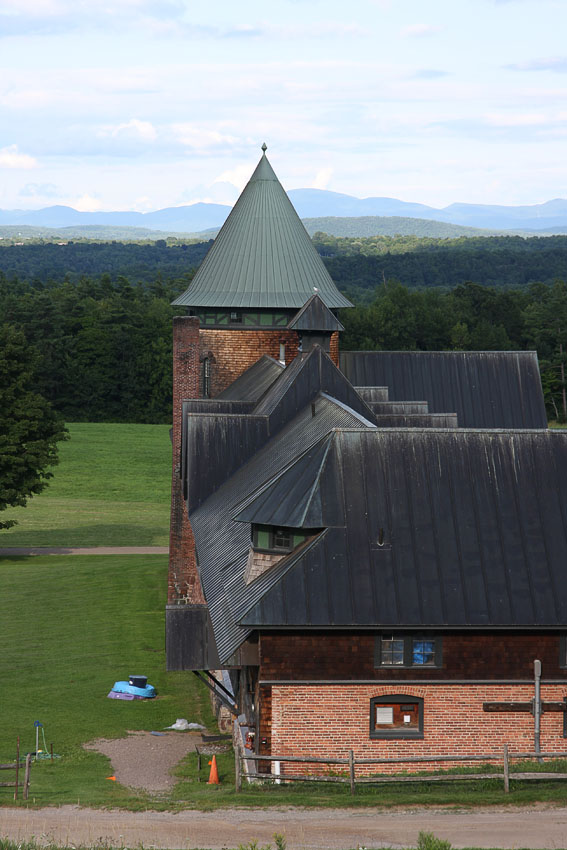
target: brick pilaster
<point>184,585</point>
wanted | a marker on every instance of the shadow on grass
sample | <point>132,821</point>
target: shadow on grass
<point>102,534</point>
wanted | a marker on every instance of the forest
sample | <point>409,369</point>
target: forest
<point>105,343</point>
<point>357,265</point>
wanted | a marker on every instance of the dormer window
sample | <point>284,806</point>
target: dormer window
<point>274,538</point>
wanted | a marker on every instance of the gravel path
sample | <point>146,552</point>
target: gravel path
<point>143,760</point>
<point>333,829</point>
<point>13,551</point>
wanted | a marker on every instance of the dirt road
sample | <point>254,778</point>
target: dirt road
<point>538,827</point>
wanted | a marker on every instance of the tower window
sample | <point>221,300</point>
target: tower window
<point>236,318</point>
<point>206,373</point>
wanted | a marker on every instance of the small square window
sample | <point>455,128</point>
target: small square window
<point>423,652</point>
<point>282,538</point>
<point>392,651</point>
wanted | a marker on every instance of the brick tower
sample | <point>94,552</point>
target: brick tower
<point>245,301</point>
<point>261,269</point>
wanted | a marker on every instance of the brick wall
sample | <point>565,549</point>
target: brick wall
<point>465,656</point>
<point>183,580</point>
<point>234,351</point>
<point>334,348</point>
<point>330,720</point>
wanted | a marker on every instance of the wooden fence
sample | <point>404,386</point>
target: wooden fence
<point>351,764</point>
<point>17,766</point>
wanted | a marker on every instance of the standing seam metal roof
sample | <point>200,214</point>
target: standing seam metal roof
<point>223,544</point>
<point>262,256</point>
<point>486,389</point>
<point>474,525</point>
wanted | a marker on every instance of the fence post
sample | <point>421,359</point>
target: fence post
<point>27,776</point>
<point>17,766</point>
<point>351,770</point>
<point>506,771</point>
<point>237,762</point>
<point>237,770</point>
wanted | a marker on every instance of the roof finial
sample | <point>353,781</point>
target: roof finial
<point>264,147</point>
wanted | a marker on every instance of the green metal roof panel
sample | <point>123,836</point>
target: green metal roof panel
<point>262,256</point>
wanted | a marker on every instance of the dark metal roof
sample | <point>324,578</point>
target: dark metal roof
<point>486,389</point>
<point>254,382</point>
<point>223,544</point>
<point>315,316</point>
<point>308,374</point>
<point>262,256</point>
<point>474,529</point>
<point>295,498</point>
<point>416,420</point>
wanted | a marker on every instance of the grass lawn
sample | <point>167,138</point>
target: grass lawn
<point>111,488</point>
<point>70,626</point>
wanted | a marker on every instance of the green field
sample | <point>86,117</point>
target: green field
<point>70,626</point>
<point>111,488</point>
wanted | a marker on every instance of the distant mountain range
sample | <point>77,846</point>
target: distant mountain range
<point>315,205</point>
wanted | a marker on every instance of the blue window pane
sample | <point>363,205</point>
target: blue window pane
<point>423,652</point>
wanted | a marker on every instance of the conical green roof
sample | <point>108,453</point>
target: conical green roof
<point>262,256</point>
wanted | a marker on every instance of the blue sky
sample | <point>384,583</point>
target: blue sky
<point>142,104</point>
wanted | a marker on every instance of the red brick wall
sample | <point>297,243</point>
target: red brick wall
<point>334,348</point>
<point>234,351</point>
<point>183,580</point>
<point>330,720</point>
<point>465,656</point>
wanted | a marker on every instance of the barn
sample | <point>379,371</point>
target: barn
<point>371,545</point>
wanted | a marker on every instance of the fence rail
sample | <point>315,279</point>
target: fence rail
<point>504,757</point>
<point>16,766</point>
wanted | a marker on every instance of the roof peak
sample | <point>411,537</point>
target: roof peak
<point>262,257</point>
<point>263,170</point>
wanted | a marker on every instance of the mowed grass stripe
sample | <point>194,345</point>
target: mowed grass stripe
<point>111,488</point>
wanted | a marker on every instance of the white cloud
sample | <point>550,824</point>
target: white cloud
<point>39,190</point>
<point>551,63</point>
<point>10,157</point>
<point>86,203</point>
<point>199,138</point>
<point>322,178</point>
<point>238,176</point>
<point>526,119</point>
<point>420,30</point>
<point>143,129</point>
<point>142,204</point>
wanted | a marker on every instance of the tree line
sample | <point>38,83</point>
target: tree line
<point>357,265</point>
<point>105,352</point>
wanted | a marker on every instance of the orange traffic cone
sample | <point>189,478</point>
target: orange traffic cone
<point>214,774</point>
